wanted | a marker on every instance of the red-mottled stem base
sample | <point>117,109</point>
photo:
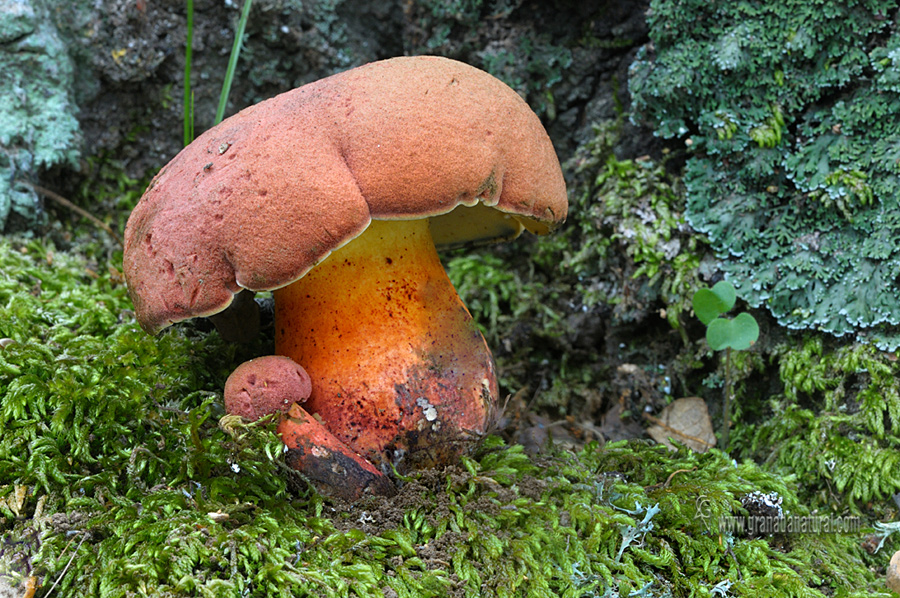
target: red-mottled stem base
<point>335,469</point>
<point>400,373</point>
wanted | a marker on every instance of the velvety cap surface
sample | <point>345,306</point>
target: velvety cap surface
<point>261,198</point>
<point>269,384</point>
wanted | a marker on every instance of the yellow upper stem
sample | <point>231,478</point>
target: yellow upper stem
<point>397,364</point>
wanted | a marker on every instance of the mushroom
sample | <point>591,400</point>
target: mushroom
<point>334,196</point>
<point>266,385</point>
<point>277,384</point>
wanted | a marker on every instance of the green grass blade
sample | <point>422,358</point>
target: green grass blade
<point>188,93</point>
<point>232,61</point>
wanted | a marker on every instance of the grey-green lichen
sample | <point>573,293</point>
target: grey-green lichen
<point>790,110</point>
<point>37,116</point>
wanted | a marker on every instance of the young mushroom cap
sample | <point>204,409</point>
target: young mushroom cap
<point>266,385</point>
<point>257,201</point>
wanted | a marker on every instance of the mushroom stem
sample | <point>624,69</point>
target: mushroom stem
<point>239,323</point>
<point>399,370</point>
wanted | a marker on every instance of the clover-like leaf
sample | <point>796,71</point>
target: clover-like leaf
<point>709,304</point>
<point>739,333</point>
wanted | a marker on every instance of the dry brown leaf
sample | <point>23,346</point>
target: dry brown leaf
<point>686,421</point>
<point>16,500</point>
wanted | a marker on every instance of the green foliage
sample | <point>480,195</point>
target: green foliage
<point>711,303</point>
<point>188,98</point>
<point>232,61</point>
<point>836,424</point>
<point>791,110</point>
<point>188,111</point>
<point>737,333</point>
<point>133,487</point>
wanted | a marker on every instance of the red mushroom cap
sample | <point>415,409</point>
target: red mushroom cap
<point>260,199</point>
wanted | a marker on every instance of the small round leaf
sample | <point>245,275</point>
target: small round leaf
<point>711,303</point>
<point>739,333</point>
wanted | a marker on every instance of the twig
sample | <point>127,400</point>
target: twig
<point>672,475</point>
<point>78,210</point>
<point>66,568</point>
<point>669,479</point>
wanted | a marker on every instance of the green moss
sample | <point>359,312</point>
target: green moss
<point>791,113</point>
<point>835,424</point>
<point>493,291</point>
<point>502,292</point>
<point>627,215</point>
<point>80,372</point>
<point>110,194</point>
<point>134,486</point>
